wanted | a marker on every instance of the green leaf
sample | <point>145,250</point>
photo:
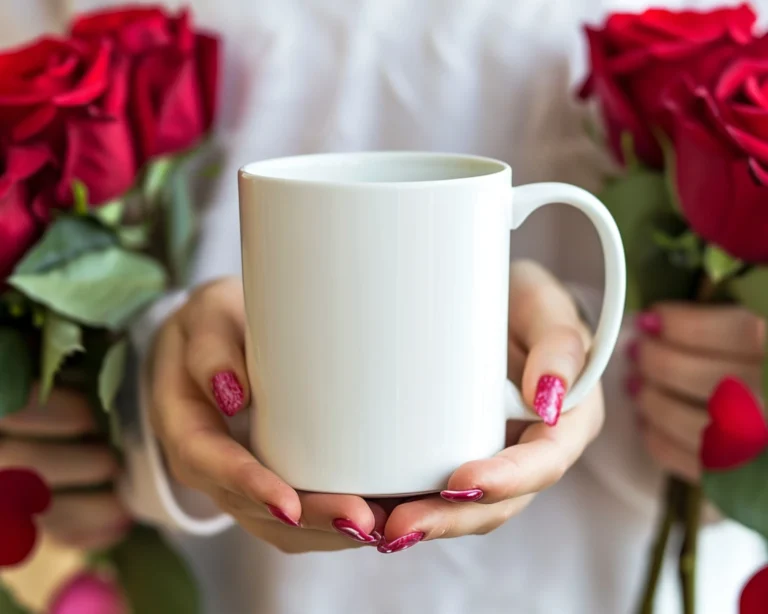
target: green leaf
<point>111,374</point>
<point>111,213</point>
<point>719,264</point>
<point>61,337</point>
<point>764,374</point>
<point>80,197</point>
<point>180,224</point>
<point>742,493</point>
<point>15,371</point>
<point>155,579</point>
<point>104,288</point>
<point>66,239</point>
<point>751,290</point>
<point>627,144</point>
<point>8,605</point>
<point>156,176</point>
<point>134,237</point>
<point>639,202</point>
<point>670,170</point>
<point>684,250</point>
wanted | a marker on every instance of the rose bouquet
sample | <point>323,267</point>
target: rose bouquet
<point>101,134</point>
<point>684,102</point>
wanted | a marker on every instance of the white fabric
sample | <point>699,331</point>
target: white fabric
<point>492,77</point>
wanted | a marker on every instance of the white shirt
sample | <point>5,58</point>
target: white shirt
<point>490,77</point>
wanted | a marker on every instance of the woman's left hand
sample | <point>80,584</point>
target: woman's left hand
<point>682,352</point>
<point>548,345</point>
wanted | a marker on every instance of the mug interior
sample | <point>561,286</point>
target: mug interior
<point>375,167</point>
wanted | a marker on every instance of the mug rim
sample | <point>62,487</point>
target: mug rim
<point>268,169</point>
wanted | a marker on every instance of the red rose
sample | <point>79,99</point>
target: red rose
<point>18,226</point>
<point>635,58</point>
<point>754,597</point>
<point>737,432</point>
<point>23,494</point>
<point>174,82</point>
<point>720,135</point>
<point>70,96</point>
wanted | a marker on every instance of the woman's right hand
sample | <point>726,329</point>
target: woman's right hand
<point>197,376</point>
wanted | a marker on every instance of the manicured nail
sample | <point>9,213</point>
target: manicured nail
<point>633,385</point>
<point>350,529</point>
<point>548,402</point>
<point>459,496</point>
<point>633,350</point>
<point>228,392</point>
<point>401,543</point>
<point>649,322</point>
<point>282,516</point>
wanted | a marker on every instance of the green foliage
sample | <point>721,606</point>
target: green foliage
<point>719,264</point>
<point>751,290</point>
<point>111,374</point>
<point>15,371</point>
<point>8,604</point>
<point>61,337</point>
<point>640,204</point>
<point>103,288</point>
<point>66,239</point>
<point>742,493</point>
<point>180,223</point>
<point>156,177</point>
<point>155,579</point>
<point>111,213</point>
<point>80,197</point>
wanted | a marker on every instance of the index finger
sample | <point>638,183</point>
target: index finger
<point>725,330</point>
<point>197,441</point>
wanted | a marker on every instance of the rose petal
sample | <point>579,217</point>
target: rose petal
<point>754,597</point>
<point>752,145</point>
<point>92,85</point>
<point>737,432</point>
<point>99,153</point>
<point>734,76</point>
<point>759,171</point>
<point>208,49</point>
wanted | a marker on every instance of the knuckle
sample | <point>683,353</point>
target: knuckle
<point>13,453</point>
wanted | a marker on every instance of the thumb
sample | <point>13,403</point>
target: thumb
<point>553,364</point>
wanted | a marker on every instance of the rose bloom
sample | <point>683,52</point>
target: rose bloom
<point>69,97</point>
<point>174,78</point>
<point>635,57</point>
<point>719,128</point>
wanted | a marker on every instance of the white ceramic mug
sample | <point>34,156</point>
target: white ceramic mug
<point>376,292</point>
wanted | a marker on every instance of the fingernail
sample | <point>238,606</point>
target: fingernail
<point>401,543</point>
<point>633,350</point>
<point>228,392</point>
<point>633,385</point>
<point>458,496</point>
<point>649,322</point>
<point>350,529</point>
<point>282,516</point>
<point>548,402</point>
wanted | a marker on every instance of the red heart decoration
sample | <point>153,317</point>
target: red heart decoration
<point>737,432</point>
<point>23,493</point>
<point>754,597</point>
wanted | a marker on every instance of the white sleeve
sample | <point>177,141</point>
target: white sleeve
<point>23,21</point>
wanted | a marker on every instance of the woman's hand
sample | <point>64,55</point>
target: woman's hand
<point>681,354</point>
<point>197,375</point>
<point>41,438</point>
<point>547,348</point>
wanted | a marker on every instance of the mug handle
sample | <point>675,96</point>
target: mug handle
<point>527,199</point>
